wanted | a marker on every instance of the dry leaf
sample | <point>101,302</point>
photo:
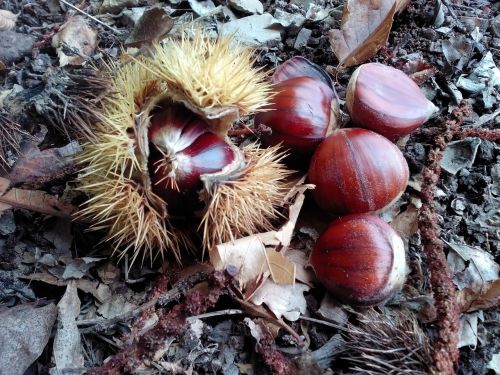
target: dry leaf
<point>406,222</point>
<point>24,332</point>
<point>36,168</point>
<point>75,41</point>
<point>7,20</point>
<point>283,300</point>
<point>480,297</point>
<point>304,274</point>
<point>364,30</point>
<point>34,200</point>
<point>152,27</point>
<point>100,291</point>
<point>68,353</point>
<point>471,265</point>
<point>254,258</point>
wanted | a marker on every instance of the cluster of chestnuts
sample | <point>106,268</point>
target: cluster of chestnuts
<point>357,171</point>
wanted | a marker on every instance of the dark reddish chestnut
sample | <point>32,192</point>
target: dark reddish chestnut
<point>386,100</point>
<point>357,171</point>
<point>360,260</point>
<point>299,66</point>
<point>182,149</point>
<point>300,116</point>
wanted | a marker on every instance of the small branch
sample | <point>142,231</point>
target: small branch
<point>216,313</point>
<point>91,17</point>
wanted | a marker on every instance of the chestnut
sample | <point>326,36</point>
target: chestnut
<point>360,260</point>
<point>386,100</point>
<point>182,149</point>
<point>300,116</point>
<point>299,66</point>
<point>357,171</point>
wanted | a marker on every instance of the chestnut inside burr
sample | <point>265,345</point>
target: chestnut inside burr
<point>182,148</point>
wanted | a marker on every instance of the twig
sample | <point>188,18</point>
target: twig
<point>445,353</point>
<point>91,17</point>
<point>173,294</point>
<point>216,313</point>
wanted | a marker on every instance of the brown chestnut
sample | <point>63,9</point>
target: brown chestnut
<point>360,260</point>
<point>182,149</point>
<point>386,100</point>
<point>299,66</point>
<point>357,171</point>
<point>300,116</point>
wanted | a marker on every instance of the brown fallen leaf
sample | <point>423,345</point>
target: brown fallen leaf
<point>75,41</point>
<point>364,30</point>
<point>68,351</point>
<point>405,223</point>
<point>479,297</point>
<point>152,27</point>
<point>36,168</point>
<point>7,20</point>
<point>34,200</point>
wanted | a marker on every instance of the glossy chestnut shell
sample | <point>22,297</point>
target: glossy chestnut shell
<point>182,148</point>
<point>357,171</point>
<point>360,260</point>
<point>299,117</point>
<point>386,100</point>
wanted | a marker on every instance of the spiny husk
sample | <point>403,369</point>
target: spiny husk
<point>213,77</point>
<point>388,342</point>
<point>10,138</point>
<point>114,173</point>
<point>132,220</point>
<point>213,72</point>
<point>247,202</point>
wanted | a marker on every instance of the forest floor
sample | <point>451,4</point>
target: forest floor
<point>67,306</point>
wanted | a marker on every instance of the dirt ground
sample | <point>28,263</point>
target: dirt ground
<point>47,260</point>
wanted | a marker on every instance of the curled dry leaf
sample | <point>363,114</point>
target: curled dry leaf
<point>7,20</point>
<point>36,168</point>
<point>364,30</point>
<point>75,41</point>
